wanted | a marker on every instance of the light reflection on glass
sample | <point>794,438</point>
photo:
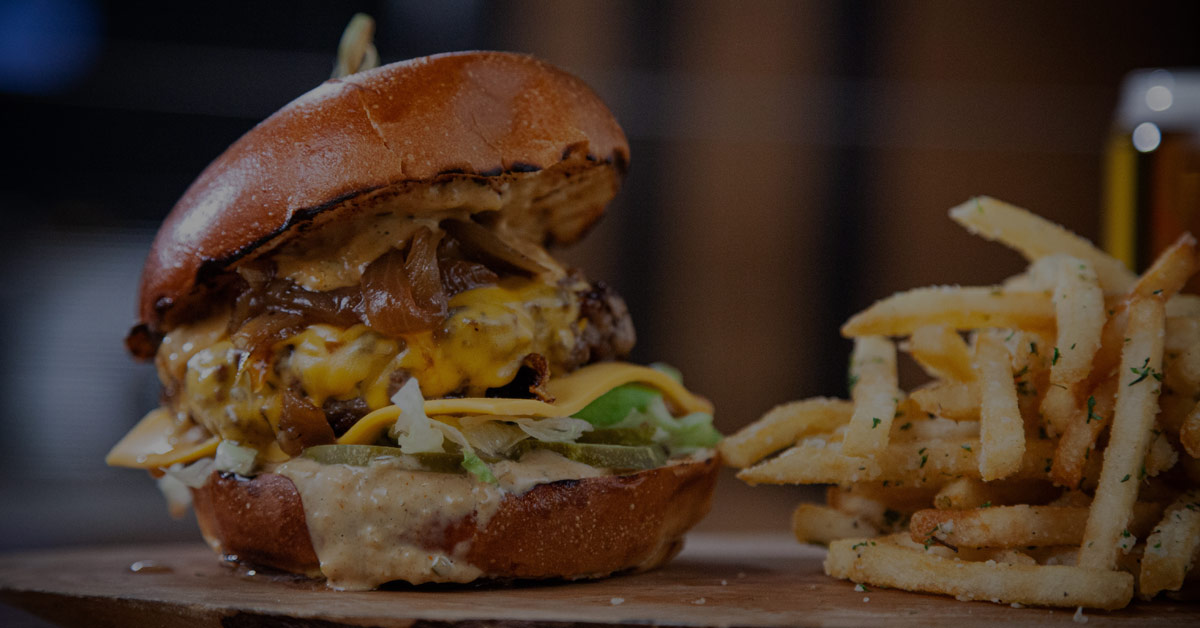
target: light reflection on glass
<point>1159,97</point>
<point>1146,137</point>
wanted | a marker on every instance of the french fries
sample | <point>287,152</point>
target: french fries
<point>782,427</point>
<point>1125,457</point>
<point>822,525</point>
<point>1001,429</point>
<point>875,393</point>
<point>1170,549</point>
<point>886,563</point>
<point>942,352</point>
<point>1015,526</point>
<point>1062,416</point>
<point>954,306</point>
<point>1035,238</point>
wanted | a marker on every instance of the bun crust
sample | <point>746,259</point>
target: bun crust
<point>568,529</point>
<point>433,120</point>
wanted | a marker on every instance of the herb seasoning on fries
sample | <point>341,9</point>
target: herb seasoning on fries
<point>1051,460</point>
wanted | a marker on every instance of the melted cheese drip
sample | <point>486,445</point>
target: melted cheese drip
<point>338,363</point>
<point>489,331</point>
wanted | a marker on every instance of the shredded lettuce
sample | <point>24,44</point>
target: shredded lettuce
<point>471,461</point>
<point>413,430</point>
<point>492,438</point>
<point>235,458</point>
<point>682,435</point>
<point>192,475</point>
<point>477,467</point>
<point>554,430</point>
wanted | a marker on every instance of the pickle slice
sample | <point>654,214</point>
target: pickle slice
<point>640,435</point>
<point>601,455</point>
<point>362,455</point>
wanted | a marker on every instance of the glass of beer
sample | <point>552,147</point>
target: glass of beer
<point>1152,169</point>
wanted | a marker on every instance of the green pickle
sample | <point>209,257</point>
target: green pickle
<point>362,455</point>
<point>640,435</point>
<point>601,455</point>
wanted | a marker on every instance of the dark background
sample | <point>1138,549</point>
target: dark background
<point>792,162</point>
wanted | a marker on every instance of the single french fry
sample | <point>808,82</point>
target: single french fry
<point>875,392</point>
<point>1079,305</point>
<point>1171,546</point>
<point>953,306</point>
<point>1077,442</point>
<point>1169,272</point>
<point>820,461</point>
<point>1137,403</point>
<point>821,525</point>
<point>966,493</point>
<point>1189,432</point>
<point>941,351</point>
<point>884,563</point>
<point>953,400</point>
<point>1035,238</point>
<point>1031,352</point>
<point>1016,526</point>
<point>1079,309</point>
<point>781,427</point>
<point>1001,428</point>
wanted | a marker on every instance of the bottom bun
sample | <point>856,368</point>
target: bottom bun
<point>584,528</point>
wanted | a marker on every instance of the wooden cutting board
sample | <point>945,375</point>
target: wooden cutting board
<point>717,581</point>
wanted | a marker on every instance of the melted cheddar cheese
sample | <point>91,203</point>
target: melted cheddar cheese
<point>480,345</point>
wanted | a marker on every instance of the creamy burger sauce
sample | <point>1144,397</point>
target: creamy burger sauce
<point>381,511</point>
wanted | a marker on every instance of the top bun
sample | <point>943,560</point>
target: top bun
<point>489,131</point>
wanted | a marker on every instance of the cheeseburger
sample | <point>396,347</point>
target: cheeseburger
<point>373,370</point>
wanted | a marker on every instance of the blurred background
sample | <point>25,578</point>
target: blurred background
<point>792,162</point>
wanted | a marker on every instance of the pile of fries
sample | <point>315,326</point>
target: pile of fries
<point>1052,458</point>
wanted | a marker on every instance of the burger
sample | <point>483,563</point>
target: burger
<point>372,368</point>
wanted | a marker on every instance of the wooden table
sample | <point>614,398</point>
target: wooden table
<point>717,581</point>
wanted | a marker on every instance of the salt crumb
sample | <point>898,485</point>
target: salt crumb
<point>1016,605</point>
<point>859,588</point>
<point>1079,617</point>
<point>866,599</point>
<point>699,602</point>
<point>616,601</point>
<point>724,582</point>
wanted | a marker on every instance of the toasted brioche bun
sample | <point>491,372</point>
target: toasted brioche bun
<point>568,529</point>
<point>402,134</point>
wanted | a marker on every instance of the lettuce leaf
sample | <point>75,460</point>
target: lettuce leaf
<point>613,406</point>
<point>554,430</point>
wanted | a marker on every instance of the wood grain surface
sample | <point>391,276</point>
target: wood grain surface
<point>719,580</point>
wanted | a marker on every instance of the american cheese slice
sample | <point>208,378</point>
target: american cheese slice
<point>147,446</point>
<point>571,393</point>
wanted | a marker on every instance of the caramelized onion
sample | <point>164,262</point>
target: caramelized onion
<point>460,275</point>
<point>483,244</point>
<point>256,337</point>
<point>402,295</point>
<point>301,424</point>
